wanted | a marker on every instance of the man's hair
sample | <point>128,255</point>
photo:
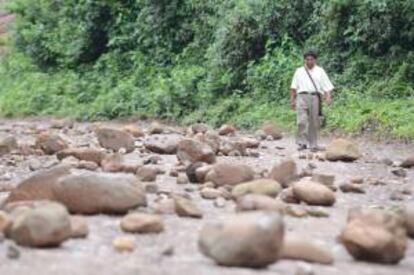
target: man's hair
<point>310,53</point>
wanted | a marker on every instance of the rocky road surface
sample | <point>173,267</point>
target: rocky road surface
<point>175,250</point>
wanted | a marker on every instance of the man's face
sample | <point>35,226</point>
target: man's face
<point>310,61</point>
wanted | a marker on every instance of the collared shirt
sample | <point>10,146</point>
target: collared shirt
<point>302,83</point>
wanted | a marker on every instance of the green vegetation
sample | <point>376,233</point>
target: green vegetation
<point>210,60</point>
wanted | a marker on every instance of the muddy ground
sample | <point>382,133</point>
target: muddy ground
<point>95,255</point>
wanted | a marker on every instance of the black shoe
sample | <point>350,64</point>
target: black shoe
<point>302,147</point>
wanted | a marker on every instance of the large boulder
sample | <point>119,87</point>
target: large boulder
<point>82,192</point>
<point>342,150</point>
<point>191,150</point>
<point>313,193</point>
<point>229,174</point>
<point>408,216</point>
<point>163,144</point>
<point>5,221</point>
<point>251,239</point>
<point>7,144</point>
<point>266,187</point>
<point>92,193</point>
<point>44,224</point>
<point>285,172</point>
<point>408,162</point>
<point>115,139</point>
<point>40,185</point>
<point>374,235</point>
<point>87,154</point>
<point>50,144</point>
<point>299,248</point>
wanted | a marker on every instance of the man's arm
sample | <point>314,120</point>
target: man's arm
<point>293,88</point>
<point>328,97</point>
<point>327,86</point>
<point>293,98</point>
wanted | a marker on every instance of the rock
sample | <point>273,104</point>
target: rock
<point>7,144</point>
<point>147,174</point>
<point>211,139</point>
<point>299,248</point>
<point>313,193</point>
<point>134,130</point>
<point>271,129</point>
<point>61,123</point>
<point>287,195</point>
<point>253,202</point>
<point>252,239</point>
<point>284,172</point>
<point>186,208</point>
<point>50,144</point>
<point>408,162</point>
<point>250,142</point>
<point>168,250</point>
<point>357,180</point>
<point>112,163</point>
<point>115,139</point>
<point>374,235</point>
<point>163,144</point>
<point>226,130</point>
<point>123,244</point>
<point>397,195</point>
<point>304,270</point>
<point>182,179</point>
<point>297,212</point>
<point>85,154</point>
<point>79,227</point>
<point>191,172</point>
<point>82,192</point>
<point>13,252</point>
<point>351,188</point>
<point>40,185</point>
<point>229,174</point>
<point>5,222</point>
<point>200,128</point>
<point>399,172</point>
<point>342,150</point>
<point>165,206</point>
<point>327,180</point>
<point>142,223</point>
<point>266,187</point>
<point>408,216</point>
<point>220,202</point>
<point>317,213</point>
<point>87,165</point>
<point>46,224</point>
<point>233,148</point>
<point>210,193</point>
<point>156,128</point>
<point>190,151</point>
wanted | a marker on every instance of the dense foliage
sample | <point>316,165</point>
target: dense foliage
<point>210,60</point>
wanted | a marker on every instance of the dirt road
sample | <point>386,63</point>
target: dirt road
<point>95,255</point>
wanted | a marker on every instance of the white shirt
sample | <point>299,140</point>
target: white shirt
<point>302,83</point>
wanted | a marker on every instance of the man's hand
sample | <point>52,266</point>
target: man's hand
<point>293,99</point>
<point>293,105</point>
<point>328,98</point>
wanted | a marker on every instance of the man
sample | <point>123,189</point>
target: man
<point>310,83</point>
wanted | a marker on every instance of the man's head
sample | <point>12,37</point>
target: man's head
<point>310,58</point>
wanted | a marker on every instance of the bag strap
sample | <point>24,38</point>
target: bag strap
<point>313,82</point>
